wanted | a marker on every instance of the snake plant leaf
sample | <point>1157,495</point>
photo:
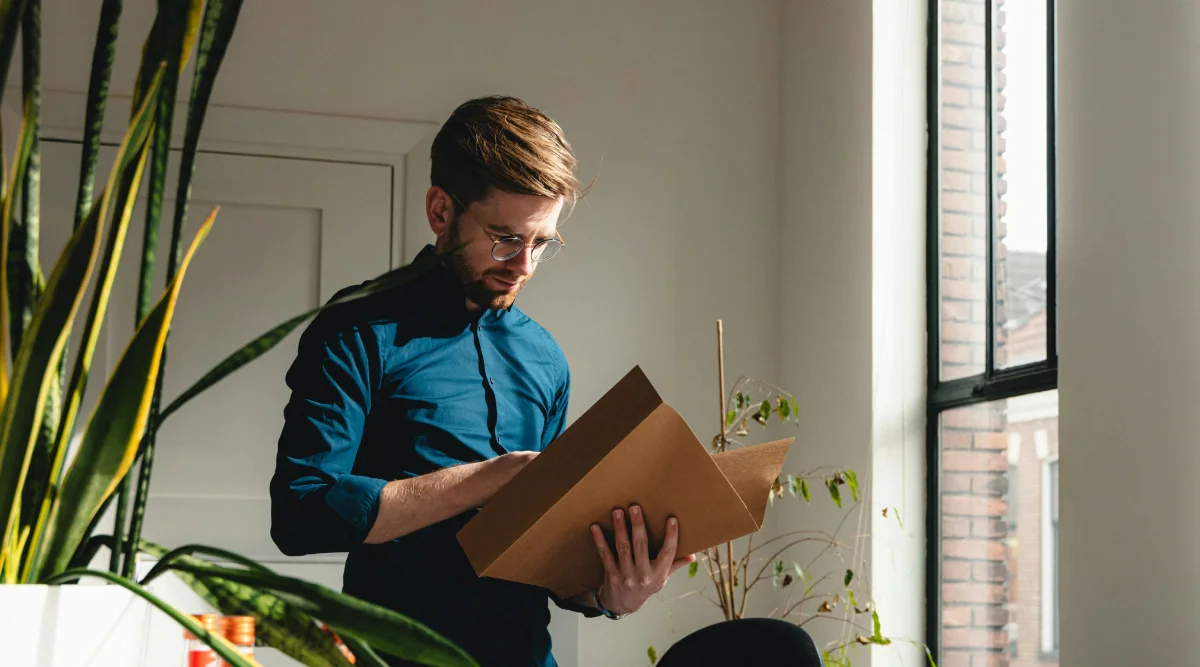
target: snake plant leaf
<point>265,342</point>
<point>12,12</point>
<point>20,160</point>
<point>226,650</point>
<point>110,440</point>
<point>22,264</point>
<point>103,55</point>
<point>378,626</point>
<point>277,624</point>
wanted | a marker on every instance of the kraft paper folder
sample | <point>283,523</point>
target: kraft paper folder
<point>630,447</point>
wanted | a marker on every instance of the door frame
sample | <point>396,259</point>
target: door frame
<point>401,145</point>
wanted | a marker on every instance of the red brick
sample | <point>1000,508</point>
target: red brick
<point>972,461</point>
<point>976,593</point>
<point>995,441</point>
<point>973,161</point>
<point>956,617</point>
<point>991,485</point>
<point>978,417</point>
<point>956,311</point>
<point>962,333</point>
<point>974,506</point>
<point>957,181</point>
<point>988,617</point>
<point>956,483</point>
<point>989,528</point>
<point>952,53</point>
<point>952,439</point>
<point>956,354</point>
<point>963,118</point>
<point>990,659</point>
<point>995,572</point>
<point>959,245</point>
<point>955,659</point>
<point>956,225</point>
<point>956,529</point>
<point>962,33</point>
<point>979,184</point>
<point>979,140</point>
<point>956,139</point>
<point>976,549</point>
<point>974,638</point>
<point>962,289</point>
<point>955,96</point>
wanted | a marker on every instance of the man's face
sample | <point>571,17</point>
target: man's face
<point>490,283</point>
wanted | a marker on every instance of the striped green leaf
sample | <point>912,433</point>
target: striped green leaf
<point>129,163</point>
<point>20,161</point>
<point>226,650</point>
<point>277,624</point>
<point>22,264</point>
<point>11,14</point>
<point>103,56</point>
<point>378,626</point>
<point>265,342</point>
<point>110,440</point>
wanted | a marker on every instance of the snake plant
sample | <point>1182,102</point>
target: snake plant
<point>50,502</point>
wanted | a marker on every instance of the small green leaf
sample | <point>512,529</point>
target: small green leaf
<point>804,491</point>
<point>852,480</point>
<point>653,655</point>
<point>929,655</point>
<point>731,418</point>
<point>741,400</point>
<point>785,409</point>
<point>764,411</point>
<point>850,596</point>
<point>834,492</point>
<point>849,577</point>
<point>693,569</point>
<point>778,573</point>
<point>795,409</point>
<point>877,637</point>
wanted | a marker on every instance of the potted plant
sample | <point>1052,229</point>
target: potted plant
<point>49,501</point>
<point>786,561</point>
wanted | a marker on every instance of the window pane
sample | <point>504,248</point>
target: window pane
<point>999,551</point>
<point>1021,182</point>
<point>964,173</point>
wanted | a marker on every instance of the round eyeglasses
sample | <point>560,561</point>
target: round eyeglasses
<point>505,248</point>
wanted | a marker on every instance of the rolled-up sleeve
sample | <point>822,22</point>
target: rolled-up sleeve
<point>317,504</point>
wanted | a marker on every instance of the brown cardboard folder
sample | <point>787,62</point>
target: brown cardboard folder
<point>630,447</point>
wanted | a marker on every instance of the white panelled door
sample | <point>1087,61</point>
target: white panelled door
<point>290,233</point>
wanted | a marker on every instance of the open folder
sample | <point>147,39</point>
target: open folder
<point>629,448</point>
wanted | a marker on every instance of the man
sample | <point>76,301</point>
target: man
<point>412,407</point>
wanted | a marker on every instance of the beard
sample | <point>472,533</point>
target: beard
<point>474,281</point>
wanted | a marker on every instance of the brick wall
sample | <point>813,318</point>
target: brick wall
<point>976,551</point>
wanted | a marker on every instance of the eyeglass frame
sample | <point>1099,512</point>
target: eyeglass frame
<point>496,240</point>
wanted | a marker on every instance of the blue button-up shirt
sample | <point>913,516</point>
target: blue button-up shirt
<point>404,383</point>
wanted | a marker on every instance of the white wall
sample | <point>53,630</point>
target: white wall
<point>1129,155</point>
<point>898,395</point>
<point>825,253</point>
<point>675,104</point>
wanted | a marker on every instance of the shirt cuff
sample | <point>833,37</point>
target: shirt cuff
<point>356,500</point>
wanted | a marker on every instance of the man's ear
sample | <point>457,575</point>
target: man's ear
<point>439,209</point>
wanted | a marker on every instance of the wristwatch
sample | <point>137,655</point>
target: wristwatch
<point>600,607</point>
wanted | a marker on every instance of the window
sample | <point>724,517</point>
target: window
<point>993,360</point>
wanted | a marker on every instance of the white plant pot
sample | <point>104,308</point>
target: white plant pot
<point>74,626</point>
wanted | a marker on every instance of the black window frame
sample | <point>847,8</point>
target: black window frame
<point>992,384</point>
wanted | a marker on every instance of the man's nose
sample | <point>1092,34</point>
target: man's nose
<point>522,263</point>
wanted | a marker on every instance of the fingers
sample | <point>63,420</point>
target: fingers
<point>641,546</point>
<point>687,560</point>
<point>624,548</point>
<point>666,556</point>
<point>610,564</point>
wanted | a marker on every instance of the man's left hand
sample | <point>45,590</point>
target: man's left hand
<point>631,576</point>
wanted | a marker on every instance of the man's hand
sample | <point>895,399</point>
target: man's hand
<point>631,576</point>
